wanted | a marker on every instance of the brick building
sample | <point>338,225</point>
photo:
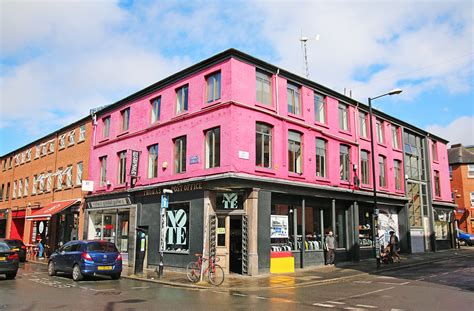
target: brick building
<point>40,186</point>
<point>261,161</point>
<point>461,166</point>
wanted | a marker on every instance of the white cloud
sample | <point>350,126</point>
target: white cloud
<point>461,130</point>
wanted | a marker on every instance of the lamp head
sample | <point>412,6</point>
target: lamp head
<point>395,91</point>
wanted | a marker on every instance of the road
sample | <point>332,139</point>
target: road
<point>444,285</point>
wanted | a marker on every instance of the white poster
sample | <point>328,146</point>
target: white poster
<point>279,225</point>
<point>388,221</point>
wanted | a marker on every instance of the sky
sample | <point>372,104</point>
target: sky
<point>59,59</point>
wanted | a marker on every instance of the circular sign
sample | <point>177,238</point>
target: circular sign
<point>41,227</point>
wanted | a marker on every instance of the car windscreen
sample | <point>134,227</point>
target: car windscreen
<point>4,247</point>
<point>101,247</point>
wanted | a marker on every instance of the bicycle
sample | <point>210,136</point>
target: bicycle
<point>214,271</point>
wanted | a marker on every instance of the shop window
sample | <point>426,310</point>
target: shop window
<point>366,233</point>
<point>340,234</point>
<point>263,145</point>
<point>213,87</point>
<point>177,234</point>
<point>213,147</point>
<point>295,152</point>
<point>441,224</point>
<point>180,155</point>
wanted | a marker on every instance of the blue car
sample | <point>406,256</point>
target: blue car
<point>466,238</point>
<point>86,258</point>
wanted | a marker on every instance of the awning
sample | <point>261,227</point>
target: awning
<point>18,213</point>
<point>49,210</point>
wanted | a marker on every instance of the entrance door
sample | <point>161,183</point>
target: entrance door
<point>235,264</point>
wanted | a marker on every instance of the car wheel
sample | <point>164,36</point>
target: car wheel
<point>116,276</point>
<point>10,276</point>
<point>51,269</point>
<point>76,273</point>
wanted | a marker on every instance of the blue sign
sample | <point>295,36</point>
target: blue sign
<point>164,201</point>
<point>194,159</point>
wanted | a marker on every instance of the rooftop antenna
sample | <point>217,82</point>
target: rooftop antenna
<point>304,45</point>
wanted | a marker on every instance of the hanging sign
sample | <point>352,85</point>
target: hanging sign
<point>279,227</point>
<point>134,165</point>
<point>230,200</point>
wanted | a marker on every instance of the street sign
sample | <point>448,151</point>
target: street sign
<point>164,201</point>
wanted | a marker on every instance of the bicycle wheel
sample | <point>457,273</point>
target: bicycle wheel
<point>216,275</point>
<point>193,271</point>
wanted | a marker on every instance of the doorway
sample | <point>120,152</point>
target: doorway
<point>235,264</point>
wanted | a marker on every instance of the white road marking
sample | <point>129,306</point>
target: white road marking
<point>336,302</point>
<point>404,283</point>
<point>140,287</point>
<point>323,305</point>
<point>372,292</point>
<point>260,297</point>
<point>385,277</point>
<point>444,273</point>
<point>241,295</point>
<point>363,282</point>
<point>390,283</point>
<point>102,290</point>
<point>367,306</point>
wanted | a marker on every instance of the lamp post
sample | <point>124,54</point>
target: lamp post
<point>374,187</point>
<point>163,207</point>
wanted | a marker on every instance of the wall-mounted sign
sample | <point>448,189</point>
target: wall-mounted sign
<point>244,155</point>
<point>279,227</point>
<point>110,203</point>
<point>194,159</point>
<point>175,188</point>
<point>220,231</point>
<point>230,200</point>
<point>134,165</point>
<point>87,185</point>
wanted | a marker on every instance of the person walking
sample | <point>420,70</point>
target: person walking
<point>329,246</point>
<point>394,247</point>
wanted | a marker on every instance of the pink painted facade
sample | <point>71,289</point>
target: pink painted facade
<point>236,113</point>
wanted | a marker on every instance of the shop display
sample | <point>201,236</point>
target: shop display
<point>365,235</point>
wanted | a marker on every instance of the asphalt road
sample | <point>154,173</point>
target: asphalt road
<point>444,285</point>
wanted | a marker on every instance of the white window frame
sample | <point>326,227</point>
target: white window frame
<point>71,137</point>
<point>49,181</point>
<point>14,190</point>
<point>264,94</point>
<point>82,133</point>
<point>213,82</point>
<point>51,146</point>
<point>213,152</point>
<point>293,93</point>
<point>153,161</point>
<point>79,172</point>
<point>69,176</point>
<point>34,185</point>
<point>263,131</point>
<point>37,151</point>
<point>470,171</point>
<point>182,99</point>
<point>382,171</point>
<point>320,108</point>
<point>103,171</point>
<point>62,141</point>
<point>26,185</point>
<point>28,155</point>
<point>41,183</point>
<point>155,109</point>
<point>363,124</point>
<point>122,168</point>
<point>59,178</point>
<point>23,157</point>
<point>395,137</point>
<point>106,127</point>
<point>472,198</point>
<point>380,131</point>
<point>295,146</point>
<point>20,188</point>
<point>180,151</point>
<point>44,149</point>
<point>365,168</point>
<point>125,119</point>
<point>321,164</point>
<point>343,114</point>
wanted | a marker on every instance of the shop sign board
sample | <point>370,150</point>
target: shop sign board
<point>87,185</point>
<point>230,200</point>
<point>110,203</point>
<point>175,188</point>
<point>134,165</point>
<point>279,227</point>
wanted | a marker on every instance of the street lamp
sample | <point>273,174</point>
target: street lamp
<point>164,206</point>
<point>374,187</point>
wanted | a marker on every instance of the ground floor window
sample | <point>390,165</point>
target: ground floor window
<point>366,228</point>
<point>112,226</point>
<point>177,234</point>
<point>441,224</point>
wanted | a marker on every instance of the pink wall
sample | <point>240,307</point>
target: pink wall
<point>442,166</point>
<point>237,120</point>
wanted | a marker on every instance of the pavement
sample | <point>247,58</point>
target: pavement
<point>300,278</point>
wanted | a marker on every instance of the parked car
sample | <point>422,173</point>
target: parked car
<point>86,258</point>
<point>466,238</point>
<point>17,246</point>
<point>8,261</point>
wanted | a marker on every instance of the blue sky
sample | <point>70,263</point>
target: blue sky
<point>58,59</point>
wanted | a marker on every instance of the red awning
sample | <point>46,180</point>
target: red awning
<point>49,210</point>
<point>18,214</point>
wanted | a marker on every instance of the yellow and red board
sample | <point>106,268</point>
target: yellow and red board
<point>282,262</point>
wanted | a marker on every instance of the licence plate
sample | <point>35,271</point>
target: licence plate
<point>104,268</point>
<point>15,249</point>
<point>3,258</point>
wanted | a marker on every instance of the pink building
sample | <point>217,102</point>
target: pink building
<point>260,161</point>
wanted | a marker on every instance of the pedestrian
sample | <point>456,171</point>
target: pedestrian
<point>394,247</point>
<point>40,247</point>
<point>329,246</point>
